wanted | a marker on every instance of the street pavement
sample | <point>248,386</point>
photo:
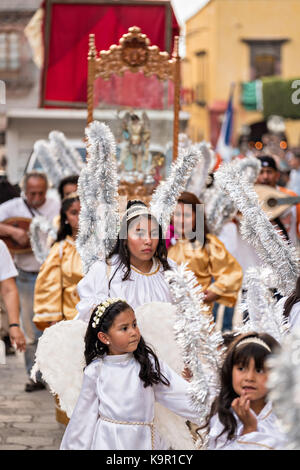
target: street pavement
<point>27,419</point>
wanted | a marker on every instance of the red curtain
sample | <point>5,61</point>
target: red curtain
<point>66,74</point>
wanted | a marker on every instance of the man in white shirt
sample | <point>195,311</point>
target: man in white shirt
<point>10,296</point>
<point>34,202</point>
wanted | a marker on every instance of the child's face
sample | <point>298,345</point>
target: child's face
<point>72,215</point>
<point>249,381</point>
<point>124,334</point>
<point>184,220</point>
<point>143,238</point>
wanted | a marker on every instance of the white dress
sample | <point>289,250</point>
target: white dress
<point>115,411</point>
<point>139,289</point>
<point>268,436</point>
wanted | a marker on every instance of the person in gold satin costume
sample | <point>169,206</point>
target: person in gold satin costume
<point>216,270</point>
<point>55,294</point>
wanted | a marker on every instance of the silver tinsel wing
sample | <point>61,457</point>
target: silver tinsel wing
<point>57,157</point>
<point>265,314</point>
<point>257,230</point>
<point>44,155</point>
<point>198,178</point>
<point>64,152</point>
<point>164,198</point>
<point>284,387</point>
<point>98,191</point>
<point>60,359</point>
<point>219,206</point>
<point>200,344</point>
<point>39,232</point>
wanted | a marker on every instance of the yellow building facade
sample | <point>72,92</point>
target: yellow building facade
<point>236,41</point>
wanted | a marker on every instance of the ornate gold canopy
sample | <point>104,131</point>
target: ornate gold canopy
<point>135,53</point>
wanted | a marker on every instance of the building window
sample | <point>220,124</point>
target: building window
<point>202,76</point>
<point>265,57</point>
<point>265,65</point>
<point>9,51</point>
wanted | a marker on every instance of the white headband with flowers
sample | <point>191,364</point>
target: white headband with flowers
<point>101,309</point>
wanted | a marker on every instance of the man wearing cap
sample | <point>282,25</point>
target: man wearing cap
<point>289,221</point>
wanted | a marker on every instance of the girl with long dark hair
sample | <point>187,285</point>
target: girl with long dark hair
<point>55,295</point>
<point>217,271</point>
<point>241,416</point>
<point>134,268</point>
<point>123,379</point>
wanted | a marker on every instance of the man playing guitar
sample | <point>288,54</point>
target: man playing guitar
<point>290,219</point>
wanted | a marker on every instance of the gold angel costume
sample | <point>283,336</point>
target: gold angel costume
<point>214,267</point>
<point>55,294</point>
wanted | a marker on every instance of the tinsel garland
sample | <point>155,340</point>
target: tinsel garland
<point>284,387</point>
<point>265,315</point>
<point>164,198</point>
<point>198,178</point>
<point>57,157</point>
<point>257,230</point>
<point>43,153</point>
<point>40,229</point>
<point>98,192</point>
<point>65,153</point>
<point>201,345</point>
<point>219,207</point>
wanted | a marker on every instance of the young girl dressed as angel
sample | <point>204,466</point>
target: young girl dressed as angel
<point>241,416</point>
<point>123,378</point>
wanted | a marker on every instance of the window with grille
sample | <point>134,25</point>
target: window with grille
<point>265,57</point>
<point>9,51</point>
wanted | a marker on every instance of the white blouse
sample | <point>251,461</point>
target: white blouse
<point>116,412</point>
<point>139,289</point>
<point>268,436</point>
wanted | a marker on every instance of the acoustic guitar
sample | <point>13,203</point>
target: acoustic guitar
<point>273,201</point>
<point>12,245</point>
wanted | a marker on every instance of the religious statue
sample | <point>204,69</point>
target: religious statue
<point>136,132</point>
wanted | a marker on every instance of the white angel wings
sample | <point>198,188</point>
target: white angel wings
<point>60,358</point>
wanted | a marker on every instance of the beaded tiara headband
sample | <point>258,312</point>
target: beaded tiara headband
<point>135,210</point>
<point>72,195</point>
<point>254,340</point>
<point>101,309</point>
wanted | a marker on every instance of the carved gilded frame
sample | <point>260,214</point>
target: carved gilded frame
<point>135,53</point>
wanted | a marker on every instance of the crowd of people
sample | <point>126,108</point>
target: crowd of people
<point>124,376</point>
